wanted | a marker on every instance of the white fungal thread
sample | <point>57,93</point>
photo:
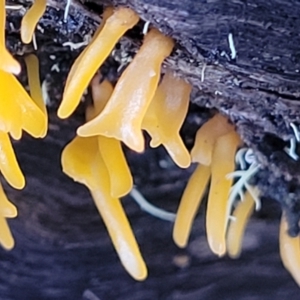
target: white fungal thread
<point>146,27</point>
<point>291,150</point>
<point>296,131</point>
<point>55,67</point>
<point>35,46</point>
<point>67,8</point>
<point>244,158</point>
<point>231,46</point>
<point>14,7</point>
<point>151,209</point>
<point>45,93</point>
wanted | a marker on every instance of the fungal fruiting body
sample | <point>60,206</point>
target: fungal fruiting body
<point>222,164</point>
<point>95,54</point>
<point>123,115</point>
<point>8,63</point>
<point>7,210</point>
<point>237,225</point>
<point>289,250</point>
<point>30,20</point>
<point>18,112</point>
<point>206,138</point>
<point>165,116</point>
<point>32,65</point>
<point>214,151</point>
<point>83,160</point>
<point>189,204</point>
<point>119,173</point>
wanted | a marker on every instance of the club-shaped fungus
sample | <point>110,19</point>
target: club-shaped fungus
<point>189,204</point>
<point>7,63</point>
<point>32,65</point>
<point>81,160</point>
<point>237,225</point>
<point>30,20</point>
<point>18,110</point>
<point>123,115</point>
<point>111,151</point>
<point>95,54</point>
<point>7,210</point>
<point>165,116</point>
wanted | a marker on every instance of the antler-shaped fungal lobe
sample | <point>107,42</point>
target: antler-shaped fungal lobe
<point>82,161</point>
<point>18,110</point>
<point>165,116</point>
<point>110,149</point>
<point>123,114</point>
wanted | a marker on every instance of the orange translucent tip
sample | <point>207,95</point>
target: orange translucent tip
<point>7,63</point>
<point>30,20</point>
<point>123,114</point>
<point>206,138</point>
<point>9,166</point>
<point>189,204</point>
<point>237,225</point>
<point>289,250</point>
<point>165,117</point>
<point>216,215</point>
<point>94,55</point>
<point>82,162</point>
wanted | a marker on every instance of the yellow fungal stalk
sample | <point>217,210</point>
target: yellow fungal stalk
<point>18,111</point>
<point>7,63</point>
<point>30,20</point>
<point>110,149</point>
<point>216,216</point>
<point>289,250</point>
<point>9,166</point>
<point>95,54</point>
<point>7,210</point>
<point>206,138</point>
<point>123,114</point>
<point>82,161</point>
<point>74,70</point>
<point>165,117</point>
<point>189,204</point>
<point>32,64</point>
<point>6,238</point>
<point>237,225</point>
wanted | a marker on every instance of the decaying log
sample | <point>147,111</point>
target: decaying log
<point>62,248</point>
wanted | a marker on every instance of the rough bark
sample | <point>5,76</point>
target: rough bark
<point>63,251</point>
